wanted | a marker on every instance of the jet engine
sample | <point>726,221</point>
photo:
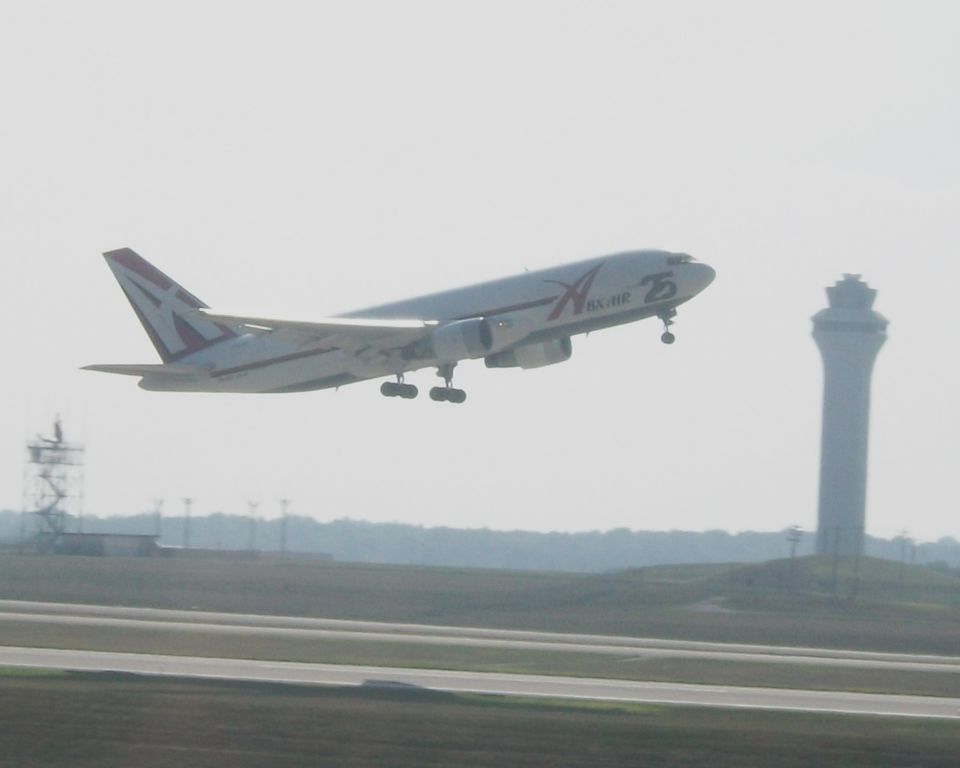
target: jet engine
<point>461,339</point>
<point>476,337</point>
<point>532,355</point>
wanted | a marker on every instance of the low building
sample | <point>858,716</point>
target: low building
<point>107,544</point>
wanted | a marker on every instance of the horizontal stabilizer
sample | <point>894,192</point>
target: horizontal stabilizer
<point>343,332</point>
<point>148,369</point>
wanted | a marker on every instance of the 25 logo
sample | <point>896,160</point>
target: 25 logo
<point>661,287</point>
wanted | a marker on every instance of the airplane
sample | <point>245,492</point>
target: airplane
<point>525,321</point>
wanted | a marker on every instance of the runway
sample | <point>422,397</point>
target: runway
<point>420,634</point>
<point>486,683</point>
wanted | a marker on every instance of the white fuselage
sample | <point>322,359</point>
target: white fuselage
<point>534,307</point>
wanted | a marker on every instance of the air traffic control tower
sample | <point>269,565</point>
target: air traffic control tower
<point>849,334</point>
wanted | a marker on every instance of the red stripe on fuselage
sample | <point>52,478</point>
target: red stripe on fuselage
<point>271,361</point>
<point>309,353</point>
<point>512,308</point>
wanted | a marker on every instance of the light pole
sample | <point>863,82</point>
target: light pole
<point>187,503</point>
<point>794,534</point>
<point>905,542</point>
<point>158,518</point>
<point>252,535</point>
<point>283,525</point>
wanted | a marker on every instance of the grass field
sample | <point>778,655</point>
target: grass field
<point>108,721</point>
<point>103,720</point>
<point>894,609</point>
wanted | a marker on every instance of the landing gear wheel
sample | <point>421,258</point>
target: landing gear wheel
<point>398,389</point>
<point>447,393</point>
<point>667,319</point>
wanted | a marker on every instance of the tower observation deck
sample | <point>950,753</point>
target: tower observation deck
<point>849,334</point>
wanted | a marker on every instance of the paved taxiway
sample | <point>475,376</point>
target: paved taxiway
<point>334,629</point>
<point>485,683</point>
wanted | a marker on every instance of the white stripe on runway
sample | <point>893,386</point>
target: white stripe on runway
<point>486,683</point>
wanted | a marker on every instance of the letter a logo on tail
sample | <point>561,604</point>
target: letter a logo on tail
<point>166,309</point>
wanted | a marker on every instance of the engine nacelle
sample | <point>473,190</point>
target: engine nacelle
<point>460,340</point>
<point>532,355</point>
<point>507,331</point>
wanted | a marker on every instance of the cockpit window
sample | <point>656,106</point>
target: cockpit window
<point>679,258</point>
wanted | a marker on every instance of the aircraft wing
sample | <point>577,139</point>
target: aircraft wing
<point>148,369</point>
<point>349,333</point>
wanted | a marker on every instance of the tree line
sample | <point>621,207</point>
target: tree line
<point>592,551</point>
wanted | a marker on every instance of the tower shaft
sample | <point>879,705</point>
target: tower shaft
<point>849,334</point>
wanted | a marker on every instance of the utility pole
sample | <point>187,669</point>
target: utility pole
<point>836,561</point>
<point>283,525</point>
<point>855,589</point>
<point>904,543</point>
<point>187,503</point>
<point>252,541</point>
<point>794,534</point>
<point>158,518</point>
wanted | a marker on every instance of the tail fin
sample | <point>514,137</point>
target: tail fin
<point>166,310</point>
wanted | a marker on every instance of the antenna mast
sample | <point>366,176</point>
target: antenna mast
<point>52,489</point>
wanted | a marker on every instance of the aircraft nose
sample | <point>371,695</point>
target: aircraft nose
<point>701,275</point>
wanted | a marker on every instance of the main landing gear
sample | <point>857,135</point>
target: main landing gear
<point>398,389</point>
<point>447,393</point>
<point>667,318</point>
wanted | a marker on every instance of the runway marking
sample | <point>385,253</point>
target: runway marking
<point>632,649</point>
<point>541,686</point>
<point>197,616</point>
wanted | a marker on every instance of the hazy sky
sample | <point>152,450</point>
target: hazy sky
<point>309,158</point>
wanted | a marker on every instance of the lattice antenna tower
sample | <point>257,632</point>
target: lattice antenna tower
<point>52,489</point>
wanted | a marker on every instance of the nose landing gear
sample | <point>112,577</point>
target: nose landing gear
<point>447,393</point>
<point>667,318</point>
